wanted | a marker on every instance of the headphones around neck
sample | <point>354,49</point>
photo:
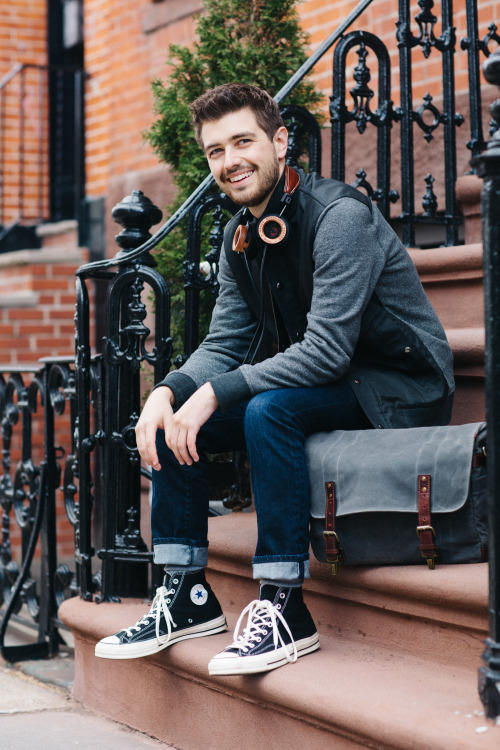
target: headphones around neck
<point>272,229</point>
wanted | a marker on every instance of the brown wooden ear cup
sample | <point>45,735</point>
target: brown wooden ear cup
<point>273,230</point>
<point>241,239</point>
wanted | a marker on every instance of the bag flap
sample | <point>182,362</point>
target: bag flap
<point>376,470</point>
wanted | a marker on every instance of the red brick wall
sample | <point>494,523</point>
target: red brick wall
<point>121,60</point>
<point>22,33</point>
<point>23,41</point>
<point>45,325</point>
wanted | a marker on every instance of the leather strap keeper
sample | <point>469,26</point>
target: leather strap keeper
<point>425,531</point>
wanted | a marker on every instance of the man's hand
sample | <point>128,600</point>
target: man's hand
<point>182,430</point>
<point>156,414</point>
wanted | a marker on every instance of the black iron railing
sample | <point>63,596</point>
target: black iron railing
<point>102,473</point>
<point>35,573</point>
<point>488,165</point>
<point>41,148</point>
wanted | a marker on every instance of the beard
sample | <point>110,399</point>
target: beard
<point>267,179</point>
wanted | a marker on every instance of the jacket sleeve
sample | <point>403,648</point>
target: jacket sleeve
<point>223,350</point>
<point>348,261</point>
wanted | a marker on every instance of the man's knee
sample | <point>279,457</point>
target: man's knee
<point>262,409</point>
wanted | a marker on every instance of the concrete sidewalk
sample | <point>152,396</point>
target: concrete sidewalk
<point>37,712</point>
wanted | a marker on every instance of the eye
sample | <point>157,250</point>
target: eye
<point>214,153</point>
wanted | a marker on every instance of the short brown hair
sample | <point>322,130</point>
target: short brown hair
<point>230,97</point>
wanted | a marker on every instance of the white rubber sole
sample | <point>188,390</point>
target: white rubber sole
<point>229,663</point>
<point>135,650</point>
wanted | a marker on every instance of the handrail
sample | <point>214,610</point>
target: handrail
<point>11,74</point>
<point>35,66</point>
<point>126,257</point>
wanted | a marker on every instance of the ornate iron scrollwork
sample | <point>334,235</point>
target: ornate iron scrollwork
<point>299,120</point>
<point>362,114</point>
<point>429,199</point>
<point>375,195</point>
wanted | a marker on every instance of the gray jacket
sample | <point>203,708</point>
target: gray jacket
<point>365,316</point>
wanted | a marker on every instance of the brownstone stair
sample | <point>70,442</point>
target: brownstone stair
<point>397,668</point>
<point>453,280</point>
<point>400,646</point>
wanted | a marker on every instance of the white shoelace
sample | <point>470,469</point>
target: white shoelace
<point>158,606</point>
<point>262,616</point>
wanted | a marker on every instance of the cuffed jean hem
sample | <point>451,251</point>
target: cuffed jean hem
<point>281,570</point>
<point>180,554</point>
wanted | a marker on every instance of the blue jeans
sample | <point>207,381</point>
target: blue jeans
<point>272,427</point>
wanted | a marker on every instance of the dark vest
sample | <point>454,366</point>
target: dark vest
<point>393,389</point>
<point>288,270</point>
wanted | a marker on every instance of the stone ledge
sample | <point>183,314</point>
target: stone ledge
<point>160,14</point>
<point>23,298</point>
<point>56,228</point>
<point>449,263</point>
<point>467,345</point>
<point>66,255</point>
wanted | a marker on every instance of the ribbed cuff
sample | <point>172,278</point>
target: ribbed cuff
<point>276,570</point>
<point>230,388</point>
<point>182,386</point>
<point>180,554</point>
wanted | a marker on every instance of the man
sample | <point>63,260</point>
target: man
<point>321,324</point>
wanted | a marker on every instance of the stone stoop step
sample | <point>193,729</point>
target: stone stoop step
<point>397,667</point>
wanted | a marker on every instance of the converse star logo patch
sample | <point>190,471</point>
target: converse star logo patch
<point>199,594</point>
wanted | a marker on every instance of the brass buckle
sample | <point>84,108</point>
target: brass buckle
<point>337,559</point>
<point>331,533</point>
<point>421,529</point>
<point>429,557</point>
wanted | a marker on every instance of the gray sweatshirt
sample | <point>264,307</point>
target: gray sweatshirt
<point>355,254</point>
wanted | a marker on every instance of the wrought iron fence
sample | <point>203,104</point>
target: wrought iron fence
<point>35,572</point>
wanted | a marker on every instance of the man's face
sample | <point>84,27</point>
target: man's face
<point>245,163</point>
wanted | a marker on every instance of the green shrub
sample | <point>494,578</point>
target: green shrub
<point>255,41</point>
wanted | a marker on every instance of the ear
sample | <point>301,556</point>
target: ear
<point>280,141</point>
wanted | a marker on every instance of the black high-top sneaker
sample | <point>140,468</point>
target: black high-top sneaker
<point>184,607</point>
<point>279,629</point>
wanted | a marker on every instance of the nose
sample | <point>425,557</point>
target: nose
<point>231,159</point>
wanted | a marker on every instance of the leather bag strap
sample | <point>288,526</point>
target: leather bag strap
<point>425,532</point>
<point>332,545</point>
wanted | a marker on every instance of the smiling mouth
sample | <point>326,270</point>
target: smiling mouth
<point>240,177</point>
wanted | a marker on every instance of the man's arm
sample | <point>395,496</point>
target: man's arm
<point>231,331</point>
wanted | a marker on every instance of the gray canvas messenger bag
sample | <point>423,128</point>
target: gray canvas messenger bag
<point>399,497</point>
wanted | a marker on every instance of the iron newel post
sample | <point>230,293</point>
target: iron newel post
<point>488,166</point>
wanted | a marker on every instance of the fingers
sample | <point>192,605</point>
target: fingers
<point>181,429</point>
<point>156,414</point>
<point>181,439</point>
<point>145,435</point>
